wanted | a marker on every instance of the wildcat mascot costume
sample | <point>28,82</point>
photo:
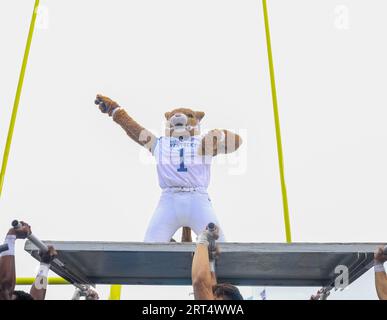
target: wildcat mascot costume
<point>183,157</point>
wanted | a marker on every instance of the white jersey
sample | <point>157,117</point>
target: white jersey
<point>180,165</point>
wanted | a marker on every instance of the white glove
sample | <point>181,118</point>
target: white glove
<point>208,236</point>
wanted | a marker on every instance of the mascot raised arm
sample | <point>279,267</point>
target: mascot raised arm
<point>183,156</point>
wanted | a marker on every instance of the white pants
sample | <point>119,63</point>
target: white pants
<point>181,209</point>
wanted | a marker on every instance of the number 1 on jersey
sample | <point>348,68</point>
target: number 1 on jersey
<point>182,168</point>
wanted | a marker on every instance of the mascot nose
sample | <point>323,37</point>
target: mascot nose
<point>179,119</point>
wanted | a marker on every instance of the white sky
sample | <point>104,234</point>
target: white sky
<point>73,173</point>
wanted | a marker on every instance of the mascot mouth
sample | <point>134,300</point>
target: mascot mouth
<point>179,121</point>
<point>179,128</point>
<point>179,124</point>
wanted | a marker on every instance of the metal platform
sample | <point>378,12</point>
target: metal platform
<point>260,264</point>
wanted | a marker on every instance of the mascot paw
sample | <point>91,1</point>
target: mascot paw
<point>211,142</point>
<point>105,104</point>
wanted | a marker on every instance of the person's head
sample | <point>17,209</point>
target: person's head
<point>226,291</point>
<point>21,295</point>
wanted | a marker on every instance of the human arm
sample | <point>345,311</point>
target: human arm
<point>203,272</point>
<point>7,261</point>
<point>380,274</point>
<point>39,287</point>
<point>201,275</point>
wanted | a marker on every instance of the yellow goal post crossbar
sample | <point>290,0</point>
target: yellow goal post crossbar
<point>26,281</point>
<point>115,290</point>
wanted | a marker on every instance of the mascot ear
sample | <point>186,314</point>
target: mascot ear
<point>199,115</point>
<point>167,114</point>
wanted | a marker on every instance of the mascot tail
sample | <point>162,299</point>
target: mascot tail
<point>186,235</point>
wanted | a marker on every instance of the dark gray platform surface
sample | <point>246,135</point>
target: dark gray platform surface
<point>261,264</point>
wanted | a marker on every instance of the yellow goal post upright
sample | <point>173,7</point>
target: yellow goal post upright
<point>17,96</point>
<point>277,125</point>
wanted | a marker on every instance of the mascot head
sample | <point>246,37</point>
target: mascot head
<point>183,122</point>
